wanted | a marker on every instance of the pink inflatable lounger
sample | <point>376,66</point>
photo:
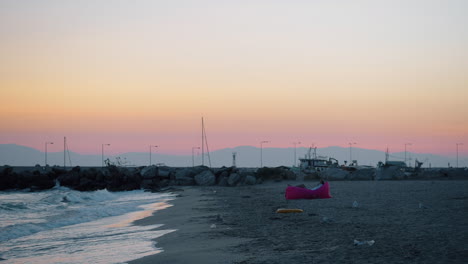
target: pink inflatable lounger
<point>293,192</point>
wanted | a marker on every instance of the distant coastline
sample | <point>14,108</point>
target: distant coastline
<point>246,156</point>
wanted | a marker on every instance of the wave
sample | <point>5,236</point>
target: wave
<point>25,213</point>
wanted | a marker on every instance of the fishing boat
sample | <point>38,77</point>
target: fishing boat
<point>294,192</point>
<point>312,163</point>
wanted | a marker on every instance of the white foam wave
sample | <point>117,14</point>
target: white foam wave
<point>61,207</point>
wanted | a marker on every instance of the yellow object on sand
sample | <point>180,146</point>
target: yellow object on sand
<point>289,210</point>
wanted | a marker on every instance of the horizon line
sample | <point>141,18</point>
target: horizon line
<point>220,149</point>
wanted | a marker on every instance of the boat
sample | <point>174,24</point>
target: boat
<point>315,163</point>
<point>294,192</point>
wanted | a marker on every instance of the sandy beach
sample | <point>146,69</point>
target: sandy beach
<point>408,222</point>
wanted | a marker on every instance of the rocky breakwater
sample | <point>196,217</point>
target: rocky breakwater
<point>153,178</point>
<point>392,173</point>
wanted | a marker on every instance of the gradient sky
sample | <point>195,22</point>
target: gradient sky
<point>143,72</point>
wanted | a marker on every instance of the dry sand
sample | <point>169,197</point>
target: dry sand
<point>410,222</point>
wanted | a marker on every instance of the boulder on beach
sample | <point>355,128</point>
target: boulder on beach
<point>223,181</point>
<point>250,180</point>
<point>334,174</point>
<point>184,181</point>
<point>205,178</point>
<point>233,179</point>
<point>313,176</point>
<point>149,172</point>
<point>364,174</point>
<point>184,176</point>
<point>70,179</point>
<point>164,172</point>
<point>276,174</point>
<point>389,173</point>
<point>8,178</point>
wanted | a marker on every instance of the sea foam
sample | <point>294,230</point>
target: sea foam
<point>72,227</point>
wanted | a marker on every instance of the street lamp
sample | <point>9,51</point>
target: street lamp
<point>295,143</point>
<point>193,159</point>
<point>46,151</point>
<point>102,152</point>
<point>406,144</point>
<point>261,152</point>
<point>350,153</point>
<point>457,151</point>
<point>150,147</point>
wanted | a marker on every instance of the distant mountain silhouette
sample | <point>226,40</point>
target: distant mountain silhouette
<point>246,156</point>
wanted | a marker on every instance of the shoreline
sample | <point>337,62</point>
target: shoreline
<point>197,237</point>
<point>409,221</point>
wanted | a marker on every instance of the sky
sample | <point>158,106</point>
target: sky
<point>144,72</point>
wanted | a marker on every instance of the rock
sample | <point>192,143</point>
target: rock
<point>362,174</point>
<point>198,169</point>
<point>205,178</point>
<point>389,173</point>
<point>70,179</point>
<point>185,173</point>
<point>299,175</point>
<point>334,174</point>
<point>184,176</point>
<point>132,179</point>
<point>58,170</point>
<point>223,171</point>
<point>276,174</point>
<point>224,174</point>
<point>233,179</point>
<point>223,181</point>
<point>184,181</point>
<point>164,172</point>
<point>37,180</point>
<point>250,180</point>
<point>148,184</point>
<point>123,179</point>
<point>149,172</point>
<point>87,185</point>
<point>90,174</point>
<point>313,176</point>
<point>8,178</point>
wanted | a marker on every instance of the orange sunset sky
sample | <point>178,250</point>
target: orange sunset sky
<point>144,72</point>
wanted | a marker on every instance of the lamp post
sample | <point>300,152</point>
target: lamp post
<point>47,143</point>
<point>150,147</point>
<point>406,144</point>
<point>102,153</point>
<point>295,143</point>
<point>350,153</point>
<point>457,151</point>
<point>193,159</point>
<point>261,152</point>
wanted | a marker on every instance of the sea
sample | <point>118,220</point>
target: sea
<point>61,225</point>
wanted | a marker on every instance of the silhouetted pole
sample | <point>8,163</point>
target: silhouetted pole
<point>46,151</point>
<point>152,146</point>
<point>193,158</point>
<point>457,151</point>
<point>203,142</point>
<point>102,153</point>
<point>406,144</point>
<point>295,143</point>
<point>261,152</point>
<point>350,153</point>
<point>65,152</point>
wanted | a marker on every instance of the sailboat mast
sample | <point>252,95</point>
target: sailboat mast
<point>203,142</point>
<point>386,156</point>
<point>64,151</point>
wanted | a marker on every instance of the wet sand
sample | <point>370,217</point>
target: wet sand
<point>409,222</point>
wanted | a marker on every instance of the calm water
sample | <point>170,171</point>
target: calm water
<point>65,226</point>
